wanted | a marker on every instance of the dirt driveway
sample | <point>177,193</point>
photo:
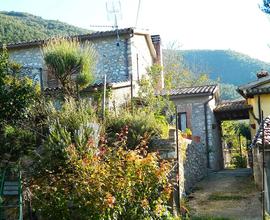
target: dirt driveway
<point>228,194</point>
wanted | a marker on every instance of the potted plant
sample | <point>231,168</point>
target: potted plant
<point>188,133</point>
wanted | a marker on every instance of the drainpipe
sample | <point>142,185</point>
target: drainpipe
<point>131,35</point>
<point>178,198</point>
<point>206,130</point>
<point>259,108</point>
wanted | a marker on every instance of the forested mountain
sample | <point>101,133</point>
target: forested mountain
<point>19,26</point>
<point>229,66</point>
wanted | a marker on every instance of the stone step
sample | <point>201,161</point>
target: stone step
<point>10,193</point>
<point>11,183</point>
<point>10,206</point>
<point>11,188</point>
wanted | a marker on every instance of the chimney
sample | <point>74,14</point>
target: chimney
<point>262,74</point>
<point>157,44</point>
<point>156,40</point>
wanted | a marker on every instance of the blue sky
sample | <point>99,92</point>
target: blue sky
<point>194,24</point>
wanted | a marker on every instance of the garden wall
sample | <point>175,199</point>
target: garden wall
<point>192,159</point>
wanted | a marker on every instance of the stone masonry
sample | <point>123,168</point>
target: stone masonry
<point>124,60</point>
<point>192,159</point>
<point>194,107</point>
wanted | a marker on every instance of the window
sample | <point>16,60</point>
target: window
<point>182,121</point>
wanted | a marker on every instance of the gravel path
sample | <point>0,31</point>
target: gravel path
<point>229,194</point>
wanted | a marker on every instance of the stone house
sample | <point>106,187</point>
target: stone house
<point>123,55</point>
<point>195,110</point>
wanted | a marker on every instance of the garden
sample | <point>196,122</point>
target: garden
<point>75,159</point>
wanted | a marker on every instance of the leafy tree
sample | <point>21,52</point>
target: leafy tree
<point>71,63</point>
<point>19,26</point>
<point>236,134</point>
<point>176,75</point>
<point>265,7</point>
<point>17,94</point>
<point>228,92</point>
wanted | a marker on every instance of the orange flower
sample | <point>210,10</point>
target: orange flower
<point>110,200</point>
<point>131,156</point>
<point>168,190</point>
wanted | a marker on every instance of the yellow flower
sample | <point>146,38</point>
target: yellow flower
<point>131,156</point>
<point>158,209</point>
<point>145,203</point>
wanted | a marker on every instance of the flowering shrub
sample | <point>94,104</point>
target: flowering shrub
<point>141,123</point>
<point>104,183</point>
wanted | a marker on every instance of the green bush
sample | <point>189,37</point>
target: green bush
<point>68,59</point>
<point>17,94</point>
<point>140,124</point>
<point>75,179</point>
<point>17,142</point>
<point>239,161</point>
<point>73,124</point>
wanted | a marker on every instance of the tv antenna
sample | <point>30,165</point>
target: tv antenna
<point>114,12</point>
<point>138,13</point>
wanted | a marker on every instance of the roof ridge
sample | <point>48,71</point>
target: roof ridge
<point>189,87</point>
<point>79,36</point>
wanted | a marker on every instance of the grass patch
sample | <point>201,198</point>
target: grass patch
<point>219,196</point>
<point>196,188</point>
<point>208,218</point>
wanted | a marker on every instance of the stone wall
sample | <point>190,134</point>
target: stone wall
<point>111,59</point>
<point>195,109</point>
<point>192,159</point>
<point>194,164</point>
<point>119,59</point>
<point>32,61</point>
<point>214,138</point>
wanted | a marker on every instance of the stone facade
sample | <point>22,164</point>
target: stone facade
<point>122,59</point>
<point>194,165</point>
<point>192,159</point>
<point>195,107</point>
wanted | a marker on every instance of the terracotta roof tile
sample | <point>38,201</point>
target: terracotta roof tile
<point>258,139</point>
<point>90,36</point>
<point>188,91</point>
<point>232,106</point>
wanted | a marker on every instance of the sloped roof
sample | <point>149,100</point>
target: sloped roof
<point>92,36</point>
<point>191,91</point>
<point>252,88</point>
<point>232,110</point>
<point>258,139</point>
<point>232,106</point>
<point>113,85</point>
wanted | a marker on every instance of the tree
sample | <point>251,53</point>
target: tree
<point>71,63</point>
<point>265,7</point>
<point>176,75</point>
<point>16,93</point>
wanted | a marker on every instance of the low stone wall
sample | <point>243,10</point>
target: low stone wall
<point>194,164</point>
<point>192,159</point>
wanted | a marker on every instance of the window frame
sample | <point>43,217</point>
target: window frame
<point>180,121</point>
